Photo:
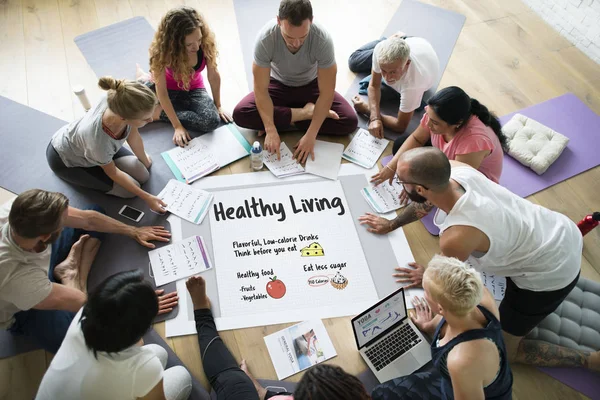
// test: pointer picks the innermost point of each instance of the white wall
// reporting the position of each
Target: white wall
(576, 20)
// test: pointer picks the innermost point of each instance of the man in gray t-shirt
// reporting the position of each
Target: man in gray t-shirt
(294, 82)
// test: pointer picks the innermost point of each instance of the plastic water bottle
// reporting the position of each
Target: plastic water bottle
(256, 157)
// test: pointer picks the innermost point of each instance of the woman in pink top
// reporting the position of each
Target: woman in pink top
(183, 46)
(464, 129)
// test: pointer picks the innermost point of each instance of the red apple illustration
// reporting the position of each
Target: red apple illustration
(276, 288)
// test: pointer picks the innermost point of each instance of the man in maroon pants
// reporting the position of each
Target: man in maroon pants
(294, 82)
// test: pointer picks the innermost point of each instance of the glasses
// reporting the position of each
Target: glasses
(399, 182)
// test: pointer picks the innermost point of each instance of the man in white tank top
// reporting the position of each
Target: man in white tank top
(486, 225)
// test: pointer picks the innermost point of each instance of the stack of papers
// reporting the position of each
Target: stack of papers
(179, 260)
(186, 202)
(286, 165)
(384, 197)
(299, 347)
(193, 161)
(365, 149)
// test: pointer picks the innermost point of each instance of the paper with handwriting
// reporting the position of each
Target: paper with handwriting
(185, 201)
(384, 197)
(365, 149)
(179, 260)
(286, 165)
(194, 161)
(495, 284)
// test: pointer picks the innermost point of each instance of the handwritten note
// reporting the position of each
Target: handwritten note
(194, 161)
(284, 167)
(384, 197)
(179, 260)
(495, 284)
(365, 149)
(186, 202)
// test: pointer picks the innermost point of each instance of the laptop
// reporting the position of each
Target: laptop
(388, 341)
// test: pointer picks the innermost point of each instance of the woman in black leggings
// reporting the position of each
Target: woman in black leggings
(230, 382)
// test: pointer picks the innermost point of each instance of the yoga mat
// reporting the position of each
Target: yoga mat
(108, 53)
(251, 16)
(580, 379)
(198, 391)
(25, 167)
(439, 26)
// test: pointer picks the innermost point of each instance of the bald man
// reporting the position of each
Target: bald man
(496, 231)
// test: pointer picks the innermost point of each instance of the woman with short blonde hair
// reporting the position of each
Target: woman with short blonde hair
(89, 152)
(468, 350)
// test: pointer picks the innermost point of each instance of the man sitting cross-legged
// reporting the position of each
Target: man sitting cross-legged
(46, 251)
(294, 82)
(496, 231)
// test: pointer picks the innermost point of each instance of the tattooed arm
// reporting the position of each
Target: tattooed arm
(411, 213)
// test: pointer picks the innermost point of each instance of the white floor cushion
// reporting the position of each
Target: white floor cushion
(533, 144)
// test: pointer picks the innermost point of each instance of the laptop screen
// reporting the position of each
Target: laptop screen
(371, 324)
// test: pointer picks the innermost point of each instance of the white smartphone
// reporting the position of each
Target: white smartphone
(131, 213)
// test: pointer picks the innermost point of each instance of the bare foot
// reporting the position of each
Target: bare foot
(309, 109)
(141, 75)
(360, 106)
(197, 288)
(594, 361)
(262, 392)
(67, 272)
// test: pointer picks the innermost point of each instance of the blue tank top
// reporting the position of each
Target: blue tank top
(501, 387)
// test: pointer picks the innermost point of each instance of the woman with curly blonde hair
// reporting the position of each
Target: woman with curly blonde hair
(183, 46)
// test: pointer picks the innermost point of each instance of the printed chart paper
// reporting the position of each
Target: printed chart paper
(384, 197)
(286, 166)
(365, 149)
(328, 158)
(179, 260)
(495, 284)
(299, 347)
(185, 201)
(286, 254)
(194, 161)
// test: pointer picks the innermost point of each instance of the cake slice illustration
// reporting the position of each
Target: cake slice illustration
(339, 281)
(312, 250)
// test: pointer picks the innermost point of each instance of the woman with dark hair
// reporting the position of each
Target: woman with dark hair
(102, 356)
(463, 128)
(232, 381)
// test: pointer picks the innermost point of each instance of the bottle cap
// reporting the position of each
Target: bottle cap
(256, 147)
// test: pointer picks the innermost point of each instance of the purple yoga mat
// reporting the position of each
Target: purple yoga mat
(565, 114)
(582, 380)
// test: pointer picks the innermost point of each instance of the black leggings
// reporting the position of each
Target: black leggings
(221, 369)
(419, 385)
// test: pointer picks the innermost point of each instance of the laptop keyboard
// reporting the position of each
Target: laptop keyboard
(393, 346)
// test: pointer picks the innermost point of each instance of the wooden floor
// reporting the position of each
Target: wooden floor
(506, 57)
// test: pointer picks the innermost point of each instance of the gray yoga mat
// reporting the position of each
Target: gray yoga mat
(108, 53)
(377, 248)
(251, 15)
(439, 26)
(25, 133)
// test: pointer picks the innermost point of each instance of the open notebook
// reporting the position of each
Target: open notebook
(207, 153)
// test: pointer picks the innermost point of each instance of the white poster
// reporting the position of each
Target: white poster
(287, 253)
